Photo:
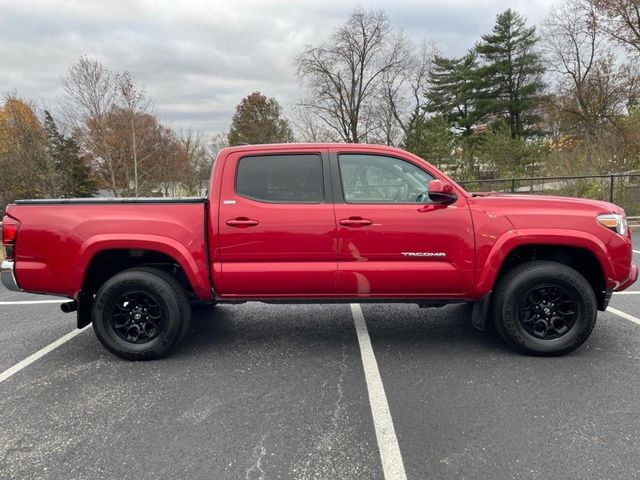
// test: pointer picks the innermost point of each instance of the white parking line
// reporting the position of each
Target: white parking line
(36, 302)
(624, 315)
(392, 464)
(39, 354)
(633, 292)
(637, 251)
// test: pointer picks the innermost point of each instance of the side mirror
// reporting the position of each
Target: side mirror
(441, 192)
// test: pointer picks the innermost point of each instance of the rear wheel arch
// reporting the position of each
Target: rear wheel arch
(106, 263)
(189, 258)
(109, 262)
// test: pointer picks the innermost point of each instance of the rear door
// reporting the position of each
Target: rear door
(277, 231)
(392, 242)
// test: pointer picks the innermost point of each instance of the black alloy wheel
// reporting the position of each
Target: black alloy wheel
(137, 316)
(141, 314)
(548, 311)
(542, 307)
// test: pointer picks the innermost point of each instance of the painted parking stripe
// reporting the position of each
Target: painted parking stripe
(624, 315)
(633, 292)
(637, 251)
(39, 354)
(36, 302)
(392, 464)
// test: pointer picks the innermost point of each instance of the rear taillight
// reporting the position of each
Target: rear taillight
(9, 233)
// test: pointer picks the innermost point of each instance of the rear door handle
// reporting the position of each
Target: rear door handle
(242, 222)
(355, 222)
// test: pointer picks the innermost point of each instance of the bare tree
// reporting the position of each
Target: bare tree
(135, 103)
(631, 79)
(219, 141)
(169, 162)
(593, 89)
(309, 128)
(196, 161)
(620, 19)
(403, 89)
(343, 74)
(573, 47)
(382, 123)
(91, 93)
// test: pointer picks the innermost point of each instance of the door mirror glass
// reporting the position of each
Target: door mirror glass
(441, 192)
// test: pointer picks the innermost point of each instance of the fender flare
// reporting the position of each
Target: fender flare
(168, 246)
(513, 239)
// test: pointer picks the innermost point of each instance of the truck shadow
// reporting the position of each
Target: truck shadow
(257, 325)
(446, 330)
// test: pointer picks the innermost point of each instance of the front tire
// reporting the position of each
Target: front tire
(141, 314)
(544, 308)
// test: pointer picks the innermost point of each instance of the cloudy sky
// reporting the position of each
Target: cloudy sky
(198, 58)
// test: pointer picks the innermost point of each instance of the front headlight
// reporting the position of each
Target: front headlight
(614, 222)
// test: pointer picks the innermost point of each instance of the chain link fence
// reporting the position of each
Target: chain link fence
(621, 189)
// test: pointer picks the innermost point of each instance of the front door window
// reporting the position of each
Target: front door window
(378, 179)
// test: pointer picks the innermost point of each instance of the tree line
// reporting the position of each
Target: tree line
(562, 97)
(108, 140)
(559, 98)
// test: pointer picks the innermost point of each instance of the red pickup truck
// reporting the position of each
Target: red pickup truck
(322, 223)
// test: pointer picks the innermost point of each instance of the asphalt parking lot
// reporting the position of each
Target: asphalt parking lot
(263, 391)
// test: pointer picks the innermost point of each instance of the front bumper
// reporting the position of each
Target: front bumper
(8, 277)
(633, 276)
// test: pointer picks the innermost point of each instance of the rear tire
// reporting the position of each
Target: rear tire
(544, 308)
(141, 314)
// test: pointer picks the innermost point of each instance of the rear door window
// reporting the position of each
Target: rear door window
(281, 178)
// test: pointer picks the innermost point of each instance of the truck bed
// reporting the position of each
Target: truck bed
(76, 231)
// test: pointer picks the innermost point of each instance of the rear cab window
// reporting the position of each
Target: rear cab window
(283, 178)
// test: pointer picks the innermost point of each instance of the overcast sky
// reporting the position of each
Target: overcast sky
(198, 58)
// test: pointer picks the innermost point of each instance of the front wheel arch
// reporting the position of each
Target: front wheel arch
(583, 260)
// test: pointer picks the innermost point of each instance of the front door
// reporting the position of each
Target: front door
(277, 227)
(392, 242)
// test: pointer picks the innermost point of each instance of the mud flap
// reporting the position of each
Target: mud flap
(85, 305)
(480, 312)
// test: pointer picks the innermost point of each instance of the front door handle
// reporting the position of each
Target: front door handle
(242, 222)
(355, 222)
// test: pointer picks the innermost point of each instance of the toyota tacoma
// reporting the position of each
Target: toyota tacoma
(319, 223)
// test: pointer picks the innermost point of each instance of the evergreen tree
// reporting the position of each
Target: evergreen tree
(54, 138)
(511, 157)
(452, 93)
(72, 168)
(80, 182)
(431, 139)
(509, 81)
